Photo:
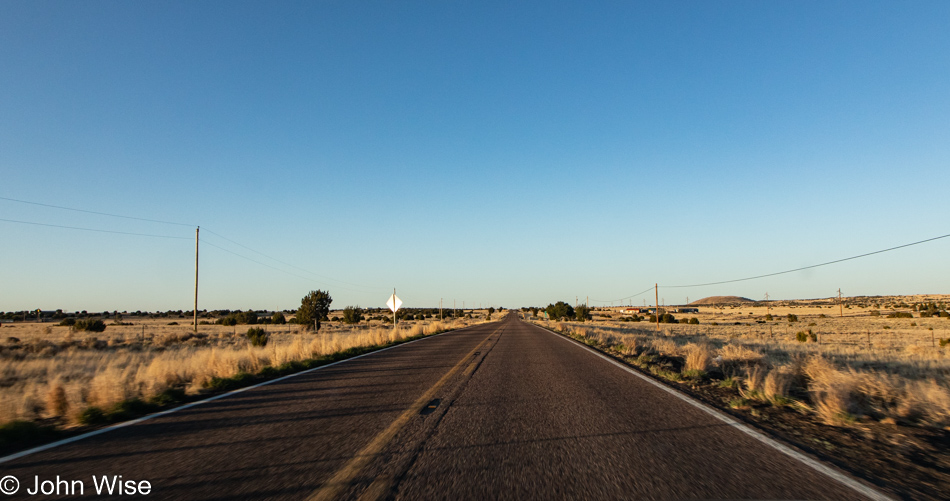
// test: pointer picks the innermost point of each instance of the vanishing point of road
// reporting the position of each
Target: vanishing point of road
(502, 410)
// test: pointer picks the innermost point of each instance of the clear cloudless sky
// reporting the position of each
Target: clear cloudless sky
(488, 152)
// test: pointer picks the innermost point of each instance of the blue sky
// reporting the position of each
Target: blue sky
(476, 151)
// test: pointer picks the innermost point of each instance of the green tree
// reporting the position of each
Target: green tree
(250, 317)
(582, 313)
(278, 318)
(352, 315)
(559, 310)
(314, 307)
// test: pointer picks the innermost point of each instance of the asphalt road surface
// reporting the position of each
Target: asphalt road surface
(504, 410)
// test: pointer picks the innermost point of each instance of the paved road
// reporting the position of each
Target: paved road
(504, 410)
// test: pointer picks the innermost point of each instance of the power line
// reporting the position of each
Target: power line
(309, 279)
(162, 236)
(94, 229)
(279, 261)
(782, 272)
(94, 212)
(809, 267)
(621, 299)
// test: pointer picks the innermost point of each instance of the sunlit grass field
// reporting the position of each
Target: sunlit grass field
(851, 367)
(54, 373)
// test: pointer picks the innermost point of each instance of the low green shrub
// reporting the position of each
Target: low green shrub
(694, 374)
(90, 325)
(230, 383)
(169, 397)
(729, 382)
(900, 314)
(257, 336)
(92, 416)
(128, 409)
(740, 403)
(804, 336)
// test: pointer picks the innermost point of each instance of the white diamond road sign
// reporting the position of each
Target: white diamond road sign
(394, 303)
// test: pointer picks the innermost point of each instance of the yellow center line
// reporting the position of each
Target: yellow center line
(342, 478)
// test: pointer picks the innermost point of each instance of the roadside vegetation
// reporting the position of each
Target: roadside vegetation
(845, 370)
(55, 376)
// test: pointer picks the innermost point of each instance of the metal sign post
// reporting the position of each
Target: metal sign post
(394, 303)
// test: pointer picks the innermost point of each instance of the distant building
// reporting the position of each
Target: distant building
(635, 310)
(687, 310)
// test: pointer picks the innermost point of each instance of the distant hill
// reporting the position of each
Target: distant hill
(721, 300)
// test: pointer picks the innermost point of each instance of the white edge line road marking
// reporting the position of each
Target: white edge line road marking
(814, 464)
(77, 438)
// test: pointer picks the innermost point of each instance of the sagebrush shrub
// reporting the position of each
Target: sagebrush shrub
(900, 314)
(90, 325)
(257, 336)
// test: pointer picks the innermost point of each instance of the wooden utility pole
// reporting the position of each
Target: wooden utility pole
(196, 277)
(656, 290)
(440, 309)
(394, 307)
(840, 307)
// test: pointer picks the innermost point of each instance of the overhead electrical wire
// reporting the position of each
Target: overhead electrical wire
(279, 261)
(623, 298)
(94, 212)
(781, 272)
(807, 267)
(94, 229)
(309, 279)
(323, 277)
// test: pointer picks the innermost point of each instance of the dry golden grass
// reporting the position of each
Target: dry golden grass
(55, 372)
(901, 374)
(698, 357)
